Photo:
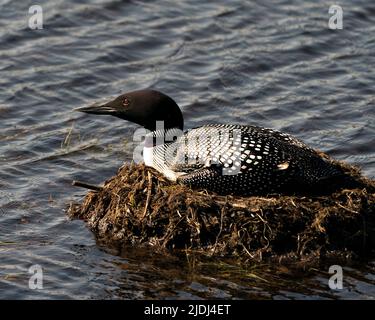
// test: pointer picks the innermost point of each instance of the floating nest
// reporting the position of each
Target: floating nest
(138, 206)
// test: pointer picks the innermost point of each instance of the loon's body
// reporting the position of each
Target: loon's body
(224, 158)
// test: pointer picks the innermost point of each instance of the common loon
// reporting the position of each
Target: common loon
(224, 158)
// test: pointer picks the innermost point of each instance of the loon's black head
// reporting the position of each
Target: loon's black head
(143, 107)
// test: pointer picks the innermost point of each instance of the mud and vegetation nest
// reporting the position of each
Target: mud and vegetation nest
(140, 207)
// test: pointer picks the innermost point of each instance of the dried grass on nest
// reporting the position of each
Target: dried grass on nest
(138, 206)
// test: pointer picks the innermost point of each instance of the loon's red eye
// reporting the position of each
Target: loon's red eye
(125, 102)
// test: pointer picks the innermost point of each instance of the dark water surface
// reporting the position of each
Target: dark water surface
(269, 63)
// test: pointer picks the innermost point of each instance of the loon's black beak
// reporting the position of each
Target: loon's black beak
(98, 109)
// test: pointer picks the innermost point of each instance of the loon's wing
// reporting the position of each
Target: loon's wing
(281, 136)
(231, 147)
(254, 161)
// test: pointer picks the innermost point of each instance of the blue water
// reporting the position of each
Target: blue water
(273, 64)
